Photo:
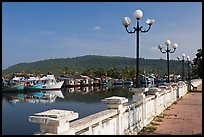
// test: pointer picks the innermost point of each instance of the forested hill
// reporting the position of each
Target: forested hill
(81, 63)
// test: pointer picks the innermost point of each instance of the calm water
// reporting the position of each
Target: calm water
(17, 107)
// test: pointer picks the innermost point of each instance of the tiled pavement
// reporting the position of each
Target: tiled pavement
(183, 117)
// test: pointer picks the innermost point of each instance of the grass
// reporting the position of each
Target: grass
(170, 115)
(160, 116)
(158, 120)
(154, 123)
(150, 128)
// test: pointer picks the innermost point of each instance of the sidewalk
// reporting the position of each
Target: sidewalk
(183, 117)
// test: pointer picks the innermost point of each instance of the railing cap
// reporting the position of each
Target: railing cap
(115, 100)
(163, 87)
(138, 90)
(53, 116)
(154, 89)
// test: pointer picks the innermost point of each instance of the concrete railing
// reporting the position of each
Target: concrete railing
(120, 118)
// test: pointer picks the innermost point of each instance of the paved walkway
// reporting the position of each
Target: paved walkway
(183, 117)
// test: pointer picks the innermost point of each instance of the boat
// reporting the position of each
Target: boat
(55, 86)
(33, 83)
(127, 83)
(50, 83)
(118, 83)
(16, 87)
(34, 87)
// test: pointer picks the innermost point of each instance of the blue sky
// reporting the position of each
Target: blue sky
(33, 31)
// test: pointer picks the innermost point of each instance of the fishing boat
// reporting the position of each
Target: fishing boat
(50, 83)
(33, 83)
(16, 87)
(34, 87)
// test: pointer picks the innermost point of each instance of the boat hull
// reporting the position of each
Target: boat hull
(34, 87)
(56, 86)
(13, 88)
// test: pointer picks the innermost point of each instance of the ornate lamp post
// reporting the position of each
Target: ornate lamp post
(167, 51)
(126, 22)
(189, 66)
(183, 63)
(189, 63)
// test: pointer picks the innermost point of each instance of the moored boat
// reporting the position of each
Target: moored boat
(33, 83)
(50, 83)
(55, 86)
(16, 87)
(34, 87)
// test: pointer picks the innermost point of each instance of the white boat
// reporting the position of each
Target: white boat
(50, 83)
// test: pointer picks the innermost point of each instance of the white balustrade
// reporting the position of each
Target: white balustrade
(120, 118)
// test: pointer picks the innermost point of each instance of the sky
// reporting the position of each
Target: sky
(34, 31)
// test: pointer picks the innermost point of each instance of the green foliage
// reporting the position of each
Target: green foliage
(127, 73)
(116, 67)
(197, 64)
(66, 71)
(149, 129)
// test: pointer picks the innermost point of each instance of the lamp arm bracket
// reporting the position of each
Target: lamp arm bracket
(145, 30)
(163, 51)
(173, 50)
(130, 31)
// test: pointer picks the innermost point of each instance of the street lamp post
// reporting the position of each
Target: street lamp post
(189, 65)
(126, 22)
(183, 63)
(188, 61)
(167, 51)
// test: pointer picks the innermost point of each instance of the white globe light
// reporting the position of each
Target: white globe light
(188, 58)
(138, 14)
(160, 47)
(183, 55)
(126, 21)
(150, 21)
(175, 45)
(167, 42)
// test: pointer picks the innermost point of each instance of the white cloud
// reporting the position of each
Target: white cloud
(97, 28)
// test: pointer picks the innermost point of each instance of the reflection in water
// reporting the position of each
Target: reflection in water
(44, 96)
(94, 94)
(86, 89)
(57, 93)
(78, 94)
(83, 100)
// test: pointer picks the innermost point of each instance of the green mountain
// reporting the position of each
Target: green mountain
(83, 62)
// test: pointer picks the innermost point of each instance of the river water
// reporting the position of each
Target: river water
(18, 106)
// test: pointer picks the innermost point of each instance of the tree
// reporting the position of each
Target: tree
(36, 72)
(113, 72)
(89, 71)
(197, 64)
(66, 71)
